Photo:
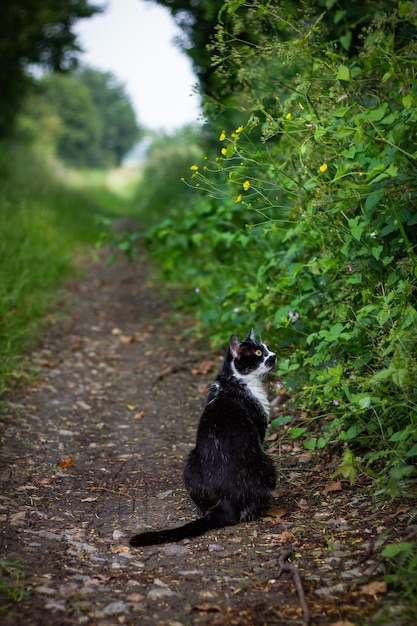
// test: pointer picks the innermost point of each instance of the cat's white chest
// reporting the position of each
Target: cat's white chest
(257, 389)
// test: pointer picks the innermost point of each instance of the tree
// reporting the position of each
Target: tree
(79, 133)
(34, 34)
(115, 113)
(97, 122)
(249, 23)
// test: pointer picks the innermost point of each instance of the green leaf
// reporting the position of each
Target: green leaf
(407, 101)
(394, 549)
(376, 251)
(343, 73)
(310, 444)
(375, 115)
(346, 40)
(350, 154)
(297, 432)
(373, 199)
(356, 227)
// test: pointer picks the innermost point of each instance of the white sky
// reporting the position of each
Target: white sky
(134, 39)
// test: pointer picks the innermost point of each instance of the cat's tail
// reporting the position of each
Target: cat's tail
(221, 515)
(172, 535)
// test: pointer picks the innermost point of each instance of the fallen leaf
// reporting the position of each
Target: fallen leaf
(116, 331)
(276, 513)
(403, 509)
(67, 463)
(342, 622)
(17, 517)
(127, 338)
(205, 367)
(89, 499)
(205, 607)
(139, 416)
(286, 536)
(375, 587)
(131, 407)
(334, 486)
(134, 597)
(273, 437)
(83, 405)
(120, 549)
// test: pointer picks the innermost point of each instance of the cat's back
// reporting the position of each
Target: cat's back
(231, 406)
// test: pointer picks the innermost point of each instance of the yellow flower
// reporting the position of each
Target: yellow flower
(288, 116)
(246, 185)
(224, 151)
(222, 136)
(239, 198)
(323, 168)
(194, 168)
(239, 130)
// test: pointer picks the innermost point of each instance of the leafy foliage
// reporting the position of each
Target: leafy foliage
(309, 228)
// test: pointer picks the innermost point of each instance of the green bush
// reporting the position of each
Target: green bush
(161, 192)
(307, 229)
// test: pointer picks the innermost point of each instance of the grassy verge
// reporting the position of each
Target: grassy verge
(44, 224)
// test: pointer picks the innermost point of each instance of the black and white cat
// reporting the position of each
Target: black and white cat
(228, 475)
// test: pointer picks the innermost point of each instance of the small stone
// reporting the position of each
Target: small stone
(115, 608)
(55, 605)
(164, 494)
(47, 591)
(174, 549)
(118, 534)
(215, 547)
(334, 590)
(160, 592)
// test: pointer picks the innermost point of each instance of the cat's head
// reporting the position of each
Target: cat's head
(251, 356)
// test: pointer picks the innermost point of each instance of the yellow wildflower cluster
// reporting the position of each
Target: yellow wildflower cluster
(246, 185)
(323, 168)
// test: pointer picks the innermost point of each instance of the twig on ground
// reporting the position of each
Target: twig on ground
(174, 369)
(119, 492)
(284, 566)
(368, 553)
(171, 370)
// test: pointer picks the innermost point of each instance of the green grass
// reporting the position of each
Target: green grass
(44, 224)
(13, 586)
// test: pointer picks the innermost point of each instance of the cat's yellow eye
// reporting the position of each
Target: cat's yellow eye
(258, 352)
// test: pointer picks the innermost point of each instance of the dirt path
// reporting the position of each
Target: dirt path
(94, 451)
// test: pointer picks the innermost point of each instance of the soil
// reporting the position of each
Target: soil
(93, 451)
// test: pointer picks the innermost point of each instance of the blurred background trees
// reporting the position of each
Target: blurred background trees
(34, 35)
(84, 117)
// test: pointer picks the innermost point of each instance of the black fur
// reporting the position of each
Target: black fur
(228, 475)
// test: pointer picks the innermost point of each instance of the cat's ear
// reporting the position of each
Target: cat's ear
(250, 336)
(234, 346)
